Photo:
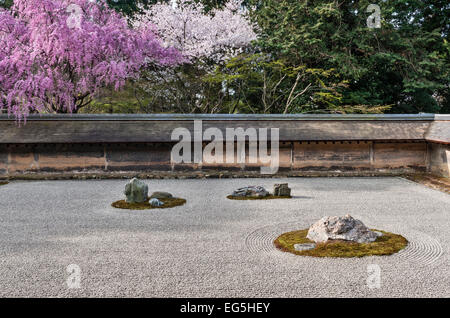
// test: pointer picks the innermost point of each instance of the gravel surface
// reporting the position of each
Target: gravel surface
(215, 247)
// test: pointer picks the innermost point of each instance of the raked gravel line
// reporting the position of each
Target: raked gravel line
(212, 246)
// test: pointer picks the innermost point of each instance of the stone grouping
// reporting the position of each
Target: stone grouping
(136, 191)
(260, 192)
(328, 228)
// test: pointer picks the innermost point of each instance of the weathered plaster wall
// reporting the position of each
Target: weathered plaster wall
(110, 146)
(398, 157)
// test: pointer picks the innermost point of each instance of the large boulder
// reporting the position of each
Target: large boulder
(251, 191)
(136, 191)
(340, 228)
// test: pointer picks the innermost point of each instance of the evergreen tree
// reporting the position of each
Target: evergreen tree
(6, 3)
(404, 63)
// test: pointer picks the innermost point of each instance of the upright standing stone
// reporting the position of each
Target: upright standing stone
(136, 191)
(282, 190)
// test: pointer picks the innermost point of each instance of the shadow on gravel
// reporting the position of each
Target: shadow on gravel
(301, 197)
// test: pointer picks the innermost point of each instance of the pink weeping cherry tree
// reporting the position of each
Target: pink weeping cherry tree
(55, 55)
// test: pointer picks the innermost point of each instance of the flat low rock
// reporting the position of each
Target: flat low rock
(161, 195)
(304, 247)
(340, 228)
(378, 233)
(251, 191)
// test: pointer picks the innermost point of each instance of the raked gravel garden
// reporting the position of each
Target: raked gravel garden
(212, 246)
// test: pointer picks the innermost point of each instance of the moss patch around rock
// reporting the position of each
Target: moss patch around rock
(387, 244)
(269, 197)
(168, 203)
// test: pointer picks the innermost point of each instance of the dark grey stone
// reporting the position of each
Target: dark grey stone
(251, 191)
(282, 189)
(161, 195)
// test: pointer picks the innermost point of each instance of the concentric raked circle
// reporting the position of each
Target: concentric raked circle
(261, 239)
(422, 249)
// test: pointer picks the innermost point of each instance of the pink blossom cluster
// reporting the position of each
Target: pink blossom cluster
(48, 63)
(217, 35)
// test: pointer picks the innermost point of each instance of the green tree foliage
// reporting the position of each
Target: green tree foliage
(130, 7)
(311, 56)
(404, 63)
(256, 83)
(6, 3)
